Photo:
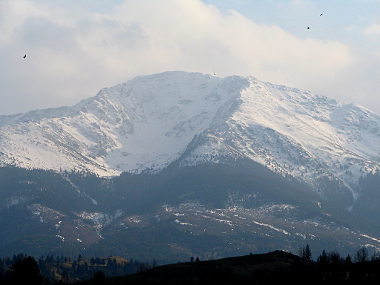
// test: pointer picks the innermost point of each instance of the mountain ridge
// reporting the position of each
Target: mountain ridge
(152, 121)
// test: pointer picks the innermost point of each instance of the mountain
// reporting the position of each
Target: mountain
(190, 163)
(195, 119)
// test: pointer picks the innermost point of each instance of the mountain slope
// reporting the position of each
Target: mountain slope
(188, 119)
(113, 131)
(210, 211)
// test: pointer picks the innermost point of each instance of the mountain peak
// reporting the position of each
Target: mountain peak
(152, 121)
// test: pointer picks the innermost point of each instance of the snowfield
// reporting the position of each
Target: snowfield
(152, 121)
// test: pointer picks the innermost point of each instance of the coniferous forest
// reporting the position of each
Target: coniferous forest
(270, 268)
(23, 269)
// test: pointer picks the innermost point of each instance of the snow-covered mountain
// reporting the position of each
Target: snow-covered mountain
(152, 121)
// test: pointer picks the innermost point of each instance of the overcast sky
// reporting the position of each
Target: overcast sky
(76, 47)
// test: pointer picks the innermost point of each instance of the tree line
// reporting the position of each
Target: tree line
(326, 268)
(334, 257)
(23, 269)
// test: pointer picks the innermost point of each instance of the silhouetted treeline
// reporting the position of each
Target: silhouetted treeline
(277, 267)
(271, 268)
(362, 268)
(22, 269)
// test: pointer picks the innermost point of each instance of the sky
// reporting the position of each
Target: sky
(76, 47)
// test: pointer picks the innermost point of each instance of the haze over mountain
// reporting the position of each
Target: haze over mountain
(215, 159)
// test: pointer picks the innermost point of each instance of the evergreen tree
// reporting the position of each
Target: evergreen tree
(348, 260)
(361, 255)
(334, 258)
(306, 254)
(26, 271)
(323, 258)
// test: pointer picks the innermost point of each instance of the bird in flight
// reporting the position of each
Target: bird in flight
(308, 28)
(321, 14)
(24, 56)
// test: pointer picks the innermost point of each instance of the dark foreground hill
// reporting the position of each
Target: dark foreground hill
(277, 267)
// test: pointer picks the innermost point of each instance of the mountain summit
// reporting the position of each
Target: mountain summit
(208, 166)
(187, 119)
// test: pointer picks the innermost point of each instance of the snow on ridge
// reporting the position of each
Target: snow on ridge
(151, 121)
(142, 124)
(297, 133)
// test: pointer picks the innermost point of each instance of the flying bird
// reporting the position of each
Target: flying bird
(308, 28)
(321, 14)
(24, 56)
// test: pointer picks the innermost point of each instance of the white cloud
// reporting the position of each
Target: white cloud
(373, 30)
(73, 51)
(302, 3)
